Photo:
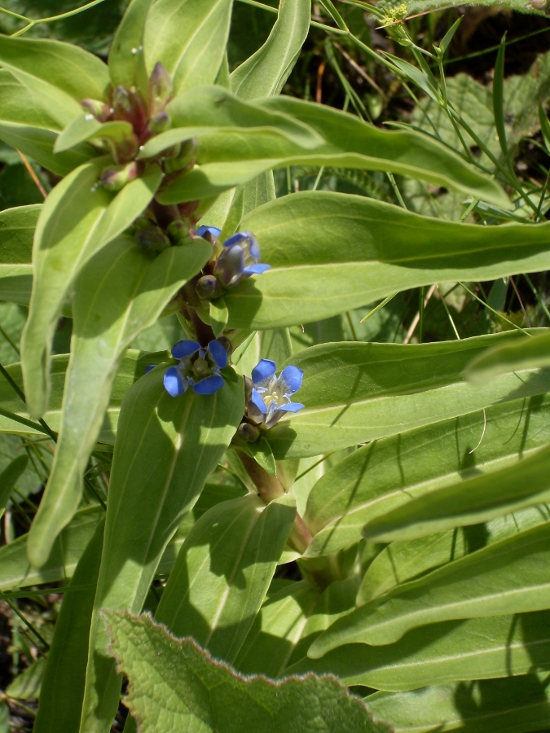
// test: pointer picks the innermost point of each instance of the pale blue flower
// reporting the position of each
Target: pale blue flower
(239, 257)
(198, 368)
(270, 395)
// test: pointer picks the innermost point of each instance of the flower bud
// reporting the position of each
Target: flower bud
(178, 231)
(185, 158)
(208, 287)
(160, 122)
(248, 433)
(115, 177)
(96, 108)
(152, 240)
(160, 89)
(129, 106)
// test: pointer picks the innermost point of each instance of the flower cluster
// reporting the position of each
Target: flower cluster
(238, 258)
(198, 368)
(269, 396)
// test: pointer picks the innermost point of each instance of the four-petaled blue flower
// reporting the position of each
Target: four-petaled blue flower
(239, 258)
(199, 368)
(270, 396)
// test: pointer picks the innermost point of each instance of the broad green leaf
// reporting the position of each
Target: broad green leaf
(65, 675)
(16, 232)
(507, 577)
(60, 75)
(83, 129)
(118, 293)
(390, 473)
(16, 571)
(526, 354)
(350, 143)
(473, 501)
(363, 250)
(130, 370)
(126, 63)
(479, 648)
(188, 38)
(278, 630)
(223, 572)
(266, 71)
(77, 219)
(400, 562)
(175, 685)
(166, 447)
(515, 705)
(9, 477)
(26, 686)
(375, 390)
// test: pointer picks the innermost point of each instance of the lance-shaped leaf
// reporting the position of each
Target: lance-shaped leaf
(474, 501)
(372, 390)
(165, 449)
(526, 354)
(479, 648)
(126, 62)
(9, 477)
(223, 572)
(16, 571)
(349, 143)
(188, 38)
(119, 292)
(400, 562)
(266, 71)
(197, 692)
(16, 233)
(77, 219)
(515, 705)
(13, 412)
(83, 129)
(59, 75)
(62, 689)
(389, 473)
(363, 250)
(510, 576)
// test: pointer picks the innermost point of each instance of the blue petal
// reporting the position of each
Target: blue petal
(263, 371)
(291, 377)
(256, 269)
(209, 385)
(218, 353)
(201, 231)
(185, 348)
(291, 407)
(257, 400)
(254, 246)
(173, 382)
(235, 239)
(149, 368)
(230, 265)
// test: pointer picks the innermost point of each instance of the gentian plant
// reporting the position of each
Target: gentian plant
(247, 561)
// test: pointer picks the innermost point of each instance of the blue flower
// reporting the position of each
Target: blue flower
(270, 396)
(201, 231)
(239, 256)
(199, 368)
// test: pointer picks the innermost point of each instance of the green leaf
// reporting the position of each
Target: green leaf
(525, 354)
(16, 232)
(266, 71)
(363, 250)
(77, 219)
(198, 691)
(26, 686)
(498, 97)
(350, 143)
(218, 316)
(404, 561)
(65, 674)
(375, 390)
(126, 61)
(479, 648)
(166, 447)
(15, 571)
(261, 451)
(188, 38)
(61, 75)
(118, 293)
(389, 473)
(507, 577)
(9, 477)
(223, 571)
(474, 501)
(83, 129)
(515, 705)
